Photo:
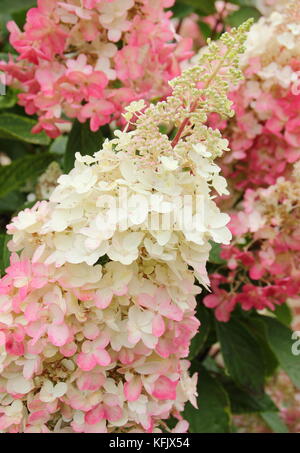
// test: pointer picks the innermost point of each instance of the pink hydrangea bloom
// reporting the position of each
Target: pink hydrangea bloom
(265, 134)
(263, 260)
(80, 368)
(70, 65)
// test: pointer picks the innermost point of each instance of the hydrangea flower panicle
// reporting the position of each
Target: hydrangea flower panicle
(97, 311)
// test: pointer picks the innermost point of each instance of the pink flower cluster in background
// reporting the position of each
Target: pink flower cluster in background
(265, 137)
(265, 133)
(262, 262)
(264, 258)
(89, 59)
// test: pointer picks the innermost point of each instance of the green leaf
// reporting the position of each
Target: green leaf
(15, 149)
(82, 140)
(214, 254)
(242, 355)
(181, 10)
(199, 340)
(205, 29)
(284, 314)
(59, 145)
(244, 403)
(4, 18)
(211, 365)
(16, 174)
(274, 421)
(236, 18)
(280, 340)
(244, 2)
(9, 99)
(4, 253)
(10, 6)
(16, 127)
(4, 56)
(213, 413)
(258, 329)
(12, 202)
(20, 17)
(202, 7)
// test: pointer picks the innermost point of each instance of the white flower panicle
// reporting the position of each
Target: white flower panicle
(79, 226)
